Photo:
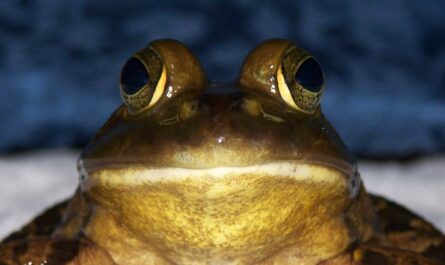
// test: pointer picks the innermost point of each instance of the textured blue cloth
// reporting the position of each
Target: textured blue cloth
(384, 62)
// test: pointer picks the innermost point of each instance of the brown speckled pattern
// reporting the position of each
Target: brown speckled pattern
(369, 254)
(406, 230)
(45, 251)
(42, 225)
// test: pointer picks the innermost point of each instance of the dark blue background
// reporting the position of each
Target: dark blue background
(384, 62)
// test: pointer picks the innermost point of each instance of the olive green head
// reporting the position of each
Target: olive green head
(173, 117)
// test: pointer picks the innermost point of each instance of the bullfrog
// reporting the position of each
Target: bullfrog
(187, 171)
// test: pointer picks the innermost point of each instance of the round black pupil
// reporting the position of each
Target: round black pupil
(134, 76)
(309, 75)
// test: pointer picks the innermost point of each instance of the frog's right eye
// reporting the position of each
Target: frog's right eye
(142, 80)
(159, 73)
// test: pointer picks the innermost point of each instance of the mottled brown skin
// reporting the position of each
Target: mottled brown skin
(248, 173)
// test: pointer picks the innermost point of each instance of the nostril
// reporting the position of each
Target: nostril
(309, 75)
(134, 76)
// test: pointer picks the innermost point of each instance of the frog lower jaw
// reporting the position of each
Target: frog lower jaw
(224, 216)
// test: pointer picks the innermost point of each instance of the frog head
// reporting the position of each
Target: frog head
(223, 172)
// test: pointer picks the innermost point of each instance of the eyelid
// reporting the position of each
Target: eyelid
(259, 71)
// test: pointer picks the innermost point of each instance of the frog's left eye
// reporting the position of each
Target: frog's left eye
(300, 80)
(284, 72)
(142, 80)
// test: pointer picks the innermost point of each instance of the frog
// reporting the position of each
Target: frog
(189, 171)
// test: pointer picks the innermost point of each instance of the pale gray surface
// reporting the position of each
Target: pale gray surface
(31, 182)
(419, 185)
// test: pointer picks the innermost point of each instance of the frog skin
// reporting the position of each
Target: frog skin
(190, 172)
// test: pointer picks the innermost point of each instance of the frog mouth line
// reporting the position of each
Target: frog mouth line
(86, 166)
(136, 175)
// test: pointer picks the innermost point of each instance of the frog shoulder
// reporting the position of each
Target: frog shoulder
(374, 254)
(63, 220)
(404, 229)
(43, 251)
(406, 238)
(42, 225)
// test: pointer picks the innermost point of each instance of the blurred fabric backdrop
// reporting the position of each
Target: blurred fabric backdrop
(384, 62)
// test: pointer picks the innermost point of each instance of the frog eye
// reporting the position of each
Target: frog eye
(284, 72)
(142, 80)
(300, 80)
(159, 73)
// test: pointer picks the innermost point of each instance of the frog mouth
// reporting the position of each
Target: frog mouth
(134, 175)
(95, 164)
